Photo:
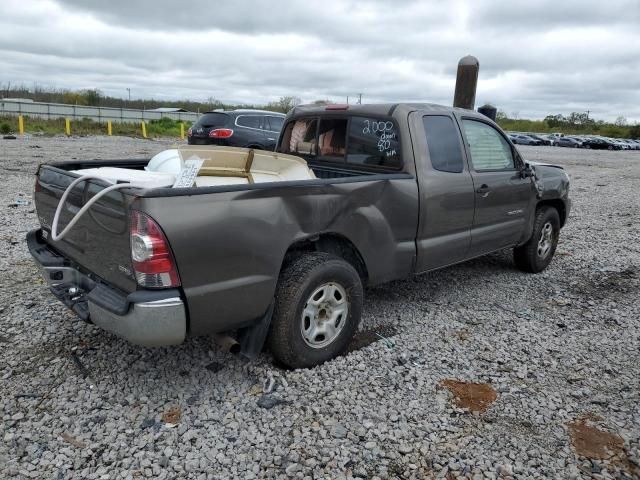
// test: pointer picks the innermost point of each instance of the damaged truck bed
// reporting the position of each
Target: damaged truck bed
(399, 189)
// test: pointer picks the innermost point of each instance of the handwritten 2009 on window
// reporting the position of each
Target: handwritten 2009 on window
(384, 130)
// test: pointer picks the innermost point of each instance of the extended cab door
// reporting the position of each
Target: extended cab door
(502, 195)
(446, 191)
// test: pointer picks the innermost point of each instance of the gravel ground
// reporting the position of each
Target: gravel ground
(552, 359)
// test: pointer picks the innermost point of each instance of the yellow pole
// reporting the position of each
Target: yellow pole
(67, 126)
(144, 130)
(109, 131)
(181, 131)
(21, 124)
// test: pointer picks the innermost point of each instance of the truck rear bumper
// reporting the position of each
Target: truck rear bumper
(147, 317)
(152, 324)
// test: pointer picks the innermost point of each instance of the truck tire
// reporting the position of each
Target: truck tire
(317, 309)
(535, 255)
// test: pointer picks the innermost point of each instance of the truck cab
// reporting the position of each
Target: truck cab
(475, 193)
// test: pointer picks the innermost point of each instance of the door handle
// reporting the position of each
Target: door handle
(484, 188)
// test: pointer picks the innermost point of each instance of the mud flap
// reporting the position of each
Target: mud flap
(252, 338)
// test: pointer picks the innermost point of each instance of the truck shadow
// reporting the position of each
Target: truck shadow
(382, 318)
(111, 360)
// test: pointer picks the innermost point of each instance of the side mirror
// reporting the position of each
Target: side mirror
(526, 172)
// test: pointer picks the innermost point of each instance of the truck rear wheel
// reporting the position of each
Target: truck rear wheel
(535, 255)
(317, 309)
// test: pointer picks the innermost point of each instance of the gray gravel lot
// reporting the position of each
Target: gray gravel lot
(561, 350)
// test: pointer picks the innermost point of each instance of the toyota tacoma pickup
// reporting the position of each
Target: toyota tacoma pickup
(399, 190)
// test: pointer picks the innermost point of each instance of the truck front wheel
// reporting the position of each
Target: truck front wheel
(535, 255)
(317, 309)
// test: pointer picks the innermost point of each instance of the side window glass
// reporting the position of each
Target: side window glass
(443, 143)
(275, 123)
(374, 142)
(251, 121)
(489, 150)
(332, 137)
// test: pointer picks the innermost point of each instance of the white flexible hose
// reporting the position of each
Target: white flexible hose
(54, 225)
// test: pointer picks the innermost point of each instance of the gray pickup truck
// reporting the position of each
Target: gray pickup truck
(400, 189)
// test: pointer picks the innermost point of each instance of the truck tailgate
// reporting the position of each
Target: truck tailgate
(100, 241)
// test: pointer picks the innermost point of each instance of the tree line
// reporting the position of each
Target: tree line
(574, 123)
(96, 98)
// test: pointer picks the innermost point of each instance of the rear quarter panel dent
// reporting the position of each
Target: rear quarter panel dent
(229, 246)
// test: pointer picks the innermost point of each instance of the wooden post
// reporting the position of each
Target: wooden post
(181, 131)
(144, 129)
(466, 82)
(67, 126)
(20, 124)
(109, 130)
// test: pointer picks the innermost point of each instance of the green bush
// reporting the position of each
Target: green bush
(164, 122)
(5, 128)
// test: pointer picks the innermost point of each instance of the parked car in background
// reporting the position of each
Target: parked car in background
(542, 138)
(520, 139)
(257, 129)
(580, 139)
(632, 144)
(551, 139)
(599, 143)
(568, 142)
(620, 143)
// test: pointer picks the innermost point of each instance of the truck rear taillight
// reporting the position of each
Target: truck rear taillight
(151, 256)
(220, 133)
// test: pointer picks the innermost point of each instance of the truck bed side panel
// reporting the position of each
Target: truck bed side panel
(229, 246)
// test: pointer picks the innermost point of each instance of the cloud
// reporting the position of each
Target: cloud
(535, 58)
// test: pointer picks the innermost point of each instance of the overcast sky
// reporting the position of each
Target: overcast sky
(536, 57)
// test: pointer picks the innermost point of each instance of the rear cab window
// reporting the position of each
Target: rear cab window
(299, 137)
(352, 140)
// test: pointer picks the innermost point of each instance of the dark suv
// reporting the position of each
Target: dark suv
(237, 128)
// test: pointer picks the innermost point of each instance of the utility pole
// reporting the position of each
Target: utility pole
(359, 98)
(129, 90)
(588, 112)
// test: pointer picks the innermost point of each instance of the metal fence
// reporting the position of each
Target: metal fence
(99, 114)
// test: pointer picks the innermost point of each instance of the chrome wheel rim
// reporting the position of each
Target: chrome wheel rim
(546, 240)
(324, 315)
